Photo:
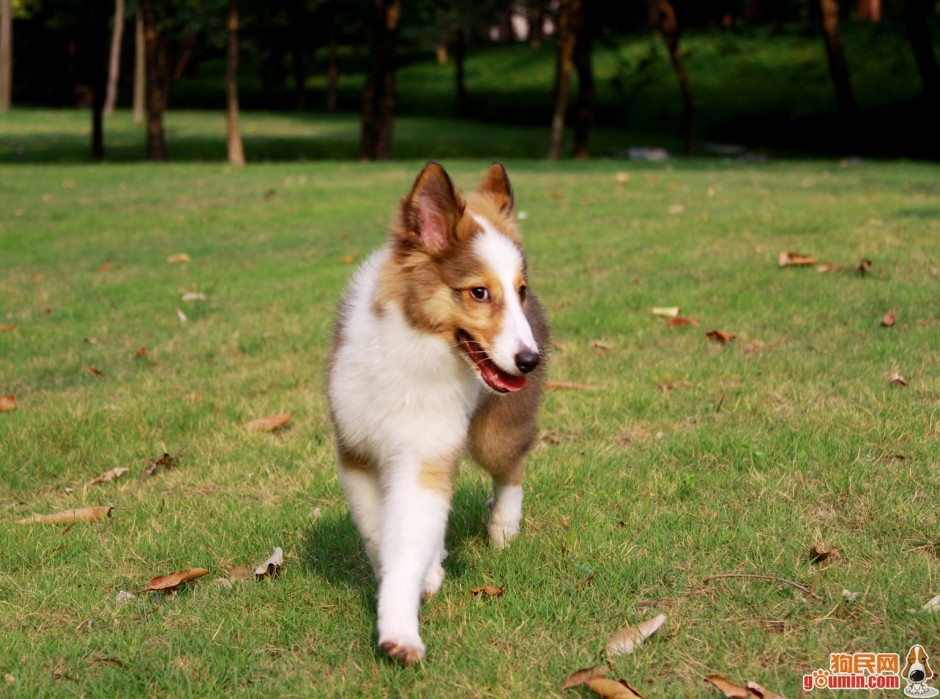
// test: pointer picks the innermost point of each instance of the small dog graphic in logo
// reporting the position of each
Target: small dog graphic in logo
(918, 673)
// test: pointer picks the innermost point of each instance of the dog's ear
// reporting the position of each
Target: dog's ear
(907, 668)
(927, 668)
(429, 214)
(497, 185)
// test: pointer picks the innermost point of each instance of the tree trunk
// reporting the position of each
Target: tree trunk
(669, 27)
(186, 55)
(565, 40)
(236, 153)
(536, 18)
(155, 46)
(140, 72)
(838, 68)
(378, 97)
(586, 93)
(916, 16)
(6, 55)
(114, 61)
(332, 76)
(460, 77)
(869, 10)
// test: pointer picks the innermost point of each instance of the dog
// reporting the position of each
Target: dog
(439, 346)
(917, 672)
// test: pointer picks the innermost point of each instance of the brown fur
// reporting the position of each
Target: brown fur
(438, 474)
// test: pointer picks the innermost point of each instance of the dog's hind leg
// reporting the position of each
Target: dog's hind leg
(364, 494)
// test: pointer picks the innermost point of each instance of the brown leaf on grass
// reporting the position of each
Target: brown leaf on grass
(7, 403)
(272, 566)
(630, 637)
(555, 194)
(179, 258)
(488, 591)
(730, 689)
(795, 259)
(141, 353)
(105, 267)
(347, 259)
(86, 514)
(584, 675)
(762, 692)
(164, 461)
(269, 423)
(822, 553)
(8, 328)
(827, 267)
(107, 661)
(107, 477)
(568, 386)
(864, 266)
(720, 336)
(601, 345)
(173, 580)
(612, 689)
(681, 322)
(94, 372)
(897, 379)
(888, 320)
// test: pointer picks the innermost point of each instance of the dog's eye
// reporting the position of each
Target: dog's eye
(522, 292)
(479, 293)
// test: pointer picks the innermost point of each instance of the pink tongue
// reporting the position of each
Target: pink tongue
(500, 380)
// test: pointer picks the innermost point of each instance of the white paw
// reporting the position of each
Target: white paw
(406, 648)
(502, 533)
(433, 580)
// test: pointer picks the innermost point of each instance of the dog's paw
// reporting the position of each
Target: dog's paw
(407, 652)
(502, 533)
(433, 580)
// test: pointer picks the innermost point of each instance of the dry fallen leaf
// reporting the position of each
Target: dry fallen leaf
(568, 385)
(897, 379)
(488, 591)
(181, 315)
(107, 661)
(850, 596)
(761, 691)
(821, 553)
(666, 311)
(106, 267)
(676, 209)
(240, 573)
(168, 582)
(9, 327)
(347, 259)
(730, 689)
(193, 296)
(141, 353)
(613, 689)
(795, 259)
(269, 423)
(583, 675)
(887, 320)
(94, 372)
(864, 265)
(827, 267)
(86, 514)
(601, 345)
(720, 336)
(165, 460)
(179, 258)
(681, 322)
(933, 604)
(109, 476)
(630, 637)
(272, 566)
(7, 403)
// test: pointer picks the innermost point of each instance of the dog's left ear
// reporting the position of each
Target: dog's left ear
(429, 214)
(497, 186)
(927, 668)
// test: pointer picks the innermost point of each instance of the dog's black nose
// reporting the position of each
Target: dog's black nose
(917, 676)
(527, 360)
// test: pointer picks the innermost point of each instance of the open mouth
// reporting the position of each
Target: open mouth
(492, 375)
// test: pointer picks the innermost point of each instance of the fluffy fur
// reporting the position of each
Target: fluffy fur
(439, 346)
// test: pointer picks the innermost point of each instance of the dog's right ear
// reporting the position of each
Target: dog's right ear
(429, 214)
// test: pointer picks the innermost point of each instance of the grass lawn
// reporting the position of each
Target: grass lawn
(685, 459)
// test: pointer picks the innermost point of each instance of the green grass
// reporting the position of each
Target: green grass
(787, 437)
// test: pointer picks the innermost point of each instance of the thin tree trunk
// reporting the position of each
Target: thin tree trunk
(6, 55)
(565, 39)
(536, 18)
(156, 82)
(332, 76)
(378, 97)
(869, 10)
(838, 68)
(186, 55)
(916, 15)
(114, 61)
(460, 76)
(236, 152)
(669, 27)
(140, 70)
(586, 92)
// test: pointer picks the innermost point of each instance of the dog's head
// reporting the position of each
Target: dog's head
(917, 668)
(458, 270)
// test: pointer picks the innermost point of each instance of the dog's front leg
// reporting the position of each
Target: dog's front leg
(415, 506)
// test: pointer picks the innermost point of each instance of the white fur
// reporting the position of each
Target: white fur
(505, 260)
(505, 513)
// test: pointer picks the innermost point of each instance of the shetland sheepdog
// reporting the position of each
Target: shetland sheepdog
(439, 346)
